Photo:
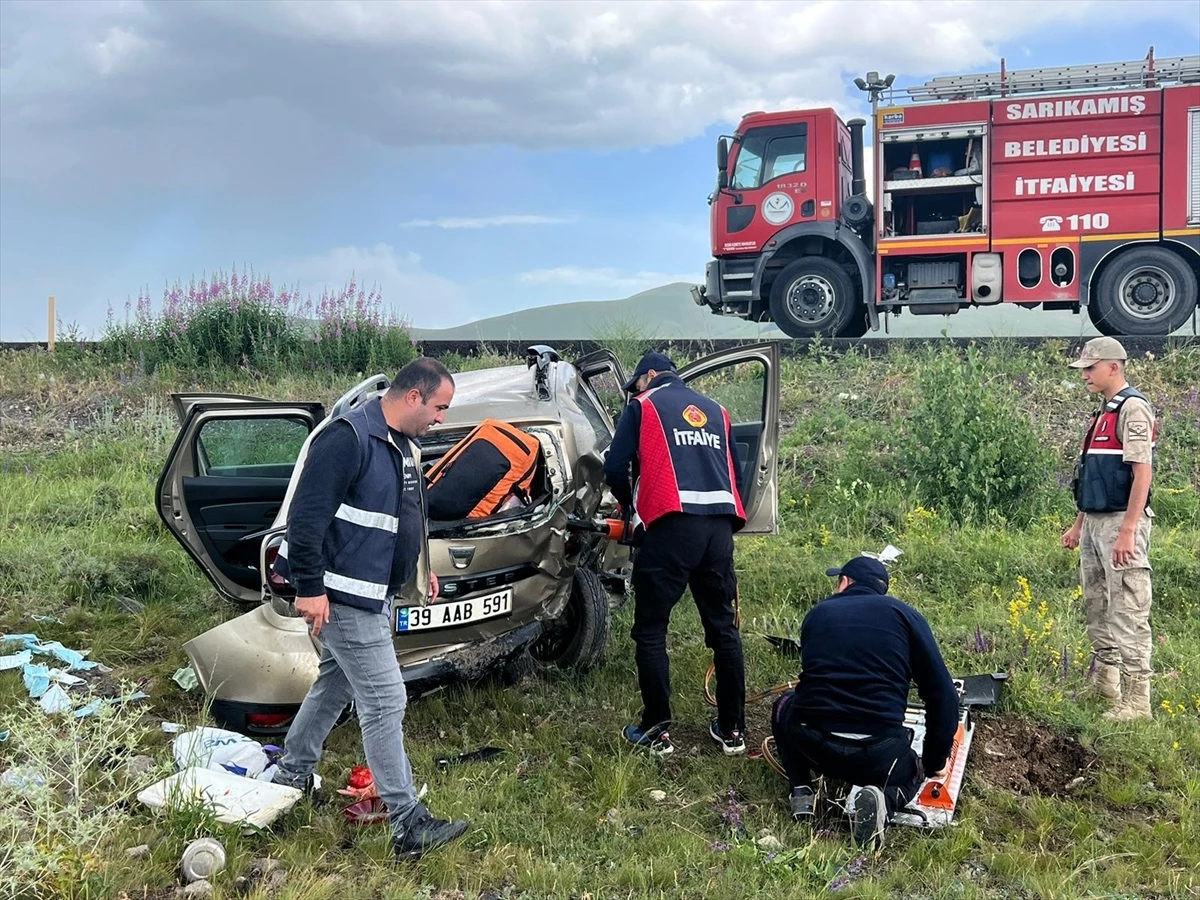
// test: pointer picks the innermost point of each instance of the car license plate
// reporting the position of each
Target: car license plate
(454, 613)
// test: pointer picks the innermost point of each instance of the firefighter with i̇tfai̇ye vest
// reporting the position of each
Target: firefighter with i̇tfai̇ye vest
(1112, 530)
(686, 504)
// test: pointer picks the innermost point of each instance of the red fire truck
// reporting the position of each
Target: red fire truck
(1069, 188)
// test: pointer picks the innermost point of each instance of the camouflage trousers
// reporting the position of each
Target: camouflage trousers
(1116, 599)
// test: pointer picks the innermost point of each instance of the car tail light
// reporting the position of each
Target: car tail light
(276, 582)
(268, 720)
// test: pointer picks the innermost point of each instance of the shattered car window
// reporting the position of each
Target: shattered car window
(610, 396)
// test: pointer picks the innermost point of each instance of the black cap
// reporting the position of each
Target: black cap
(659, 362)
(864, 570)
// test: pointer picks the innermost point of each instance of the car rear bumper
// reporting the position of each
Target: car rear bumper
(260, 717)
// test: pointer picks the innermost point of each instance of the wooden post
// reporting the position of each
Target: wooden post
(50, 325)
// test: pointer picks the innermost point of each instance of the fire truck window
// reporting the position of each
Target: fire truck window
(763, 158)
(747, 173)
(786, 155)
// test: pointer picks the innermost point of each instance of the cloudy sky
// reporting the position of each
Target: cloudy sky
(469, 158)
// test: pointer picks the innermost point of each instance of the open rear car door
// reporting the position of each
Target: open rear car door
(225, 479)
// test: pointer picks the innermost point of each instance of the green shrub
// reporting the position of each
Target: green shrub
(970, 449)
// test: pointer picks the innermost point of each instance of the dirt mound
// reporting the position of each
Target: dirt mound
(1027, 757)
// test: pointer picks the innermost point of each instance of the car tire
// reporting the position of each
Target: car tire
(1144, 291)
(579, 638)
(815, 296)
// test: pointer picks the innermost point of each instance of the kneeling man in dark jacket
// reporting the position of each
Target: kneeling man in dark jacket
(859, 651)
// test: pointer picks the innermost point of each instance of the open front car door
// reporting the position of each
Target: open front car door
(745, 381)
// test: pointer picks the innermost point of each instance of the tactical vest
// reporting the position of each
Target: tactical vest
(360, 544)
(685, 462)
(1103, 479)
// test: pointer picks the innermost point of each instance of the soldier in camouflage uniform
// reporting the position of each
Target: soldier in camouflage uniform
(1112, 530)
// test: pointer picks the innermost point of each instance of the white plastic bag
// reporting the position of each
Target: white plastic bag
(215, 748)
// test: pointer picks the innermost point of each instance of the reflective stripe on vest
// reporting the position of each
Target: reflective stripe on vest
(360, 545)
(369, 590)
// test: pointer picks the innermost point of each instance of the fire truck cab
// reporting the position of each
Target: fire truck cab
(1069, 188)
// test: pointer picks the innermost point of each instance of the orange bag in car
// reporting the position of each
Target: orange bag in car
(479, 472)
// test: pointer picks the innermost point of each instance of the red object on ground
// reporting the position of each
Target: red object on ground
(366, 812)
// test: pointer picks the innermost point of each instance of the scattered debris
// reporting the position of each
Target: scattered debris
(138, 852)
(16, 660)
(216, 748)
(47, 620)
(202, 859)
(185, 678)
(788, 646)
(372, 811)
(138, 766)
(73, 658)
(48, 685)
(94, 705)
(483, 754)
(55, 701)
(25, 779)
(658, 796)
(361, 785)
(38, 679)
(3, 736)
(232, 799)
(171, 728)
(263, 873)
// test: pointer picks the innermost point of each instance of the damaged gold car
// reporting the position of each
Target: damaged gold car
(532, 585)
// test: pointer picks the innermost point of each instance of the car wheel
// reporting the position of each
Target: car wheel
(814, 296)
(1144, 291)
(580, 636)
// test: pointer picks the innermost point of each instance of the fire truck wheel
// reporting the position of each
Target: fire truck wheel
(815, 296)
(1145, 290)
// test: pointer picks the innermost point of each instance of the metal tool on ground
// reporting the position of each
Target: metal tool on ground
(483, 754)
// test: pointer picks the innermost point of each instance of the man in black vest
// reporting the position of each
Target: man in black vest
(1112, 530)
(687, 505)
(860, 649)
(356, 535)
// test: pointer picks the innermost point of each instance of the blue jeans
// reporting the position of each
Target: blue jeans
(358, 661)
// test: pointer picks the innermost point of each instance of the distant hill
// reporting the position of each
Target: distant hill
(668, 312)
(662, 312)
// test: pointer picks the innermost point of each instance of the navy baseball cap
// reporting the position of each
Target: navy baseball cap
(863, 570)
(659, 362)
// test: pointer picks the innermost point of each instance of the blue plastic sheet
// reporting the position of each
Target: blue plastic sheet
(37, 680)
(94, 705)
(73, 658)
(16, 660)
(55, 701)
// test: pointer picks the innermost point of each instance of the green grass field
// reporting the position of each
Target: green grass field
(568, 811)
